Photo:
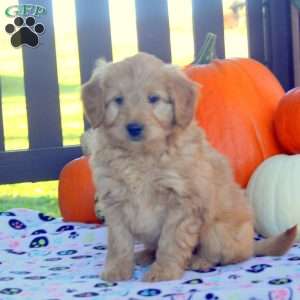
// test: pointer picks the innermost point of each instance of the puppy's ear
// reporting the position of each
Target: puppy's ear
(92, 96)
(183, 93)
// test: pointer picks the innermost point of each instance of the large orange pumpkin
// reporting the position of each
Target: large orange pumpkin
(76, 192)
(236, 108)
(287, 121)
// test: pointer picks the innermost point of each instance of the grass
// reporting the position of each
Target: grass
(16, 133)
(43, 195)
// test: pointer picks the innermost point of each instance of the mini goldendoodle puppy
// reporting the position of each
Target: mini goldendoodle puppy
(158, 180)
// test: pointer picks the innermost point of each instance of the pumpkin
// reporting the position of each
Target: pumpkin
(274, 193)
(236, 109)
(287, 121)
(76, 192)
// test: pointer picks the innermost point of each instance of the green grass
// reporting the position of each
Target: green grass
(16, 133)
(41, 196)
(14, 87)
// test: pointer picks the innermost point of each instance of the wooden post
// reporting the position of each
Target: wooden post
(296, 42)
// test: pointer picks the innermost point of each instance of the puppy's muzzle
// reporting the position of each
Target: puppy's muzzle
(135, 131)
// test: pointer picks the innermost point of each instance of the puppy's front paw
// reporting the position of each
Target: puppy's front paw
(199, 263)
(145, 257)
(117, 273)
(161, 273)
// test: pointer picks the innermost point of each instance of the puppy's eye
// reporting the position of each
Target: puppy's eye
(119, 100)
(153, 98)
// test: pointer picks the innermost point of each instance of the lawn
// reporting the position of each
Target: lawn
(43, 195)
(40, 195)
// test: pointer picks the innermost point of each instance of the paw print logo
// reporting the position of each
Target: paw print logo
(39, 231)
(86, 295)
(7, 214)
(104, 284)
(71, 290)
(35, 277)
(211, 296)
(280, 281)
(11, 251)
(65, 228)
(258, 268)
(10, 291)
(294, 258)
(194, 281)
(149, 292)
(39, 242)
(24, 32)
(73, 235)
(16, 224)
(45, 218)
(99, 247)
(210, 270)
(67, 252)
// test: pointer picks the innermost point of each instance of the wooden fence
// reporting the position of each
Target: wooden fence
(270, 42)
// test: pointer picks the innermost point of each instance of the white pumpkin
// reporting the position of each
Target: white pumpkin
(274, 193)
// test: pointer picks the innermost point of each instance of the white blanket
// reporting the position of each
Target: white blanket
(42, 258)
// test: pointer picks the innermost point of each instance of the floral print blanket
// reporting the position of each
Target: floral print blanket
(43, 258)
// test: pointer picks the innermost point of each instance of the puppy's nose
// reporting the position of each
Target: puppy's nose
(135, 130)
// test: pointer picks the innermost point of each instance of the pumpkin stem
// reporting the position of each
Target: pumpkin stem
(208, 50)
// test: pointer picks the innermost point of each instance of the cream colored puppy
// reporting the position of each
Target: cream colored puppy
(158, 179)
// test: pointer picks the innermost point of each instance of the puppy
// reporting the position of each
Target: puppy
(158, 179)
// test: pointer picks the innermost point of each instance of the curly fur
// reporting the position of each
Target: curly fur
(171, 191)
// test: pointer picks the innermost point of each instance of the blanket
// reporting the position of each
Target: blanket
(44, 258)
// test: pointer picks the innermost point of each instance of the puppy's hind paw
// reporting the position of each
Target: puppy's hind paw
(116, 274)
(199, 263)
(158, 273)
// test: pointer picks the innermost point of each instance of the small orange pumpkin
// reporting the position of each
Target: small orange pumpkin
(76, 192)
(287, 121)
(236, 108)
